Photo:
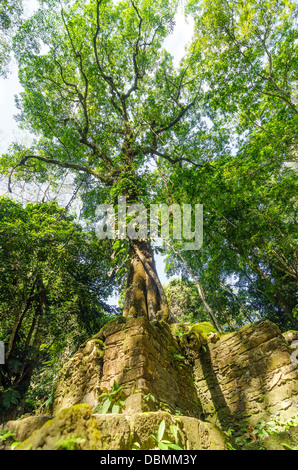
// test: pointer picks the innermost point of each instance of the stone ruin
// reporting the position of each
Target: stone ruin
(197, 381)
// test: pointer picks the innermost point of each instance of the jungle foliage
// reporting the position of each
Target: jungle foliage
(106, 104)
(54, 284)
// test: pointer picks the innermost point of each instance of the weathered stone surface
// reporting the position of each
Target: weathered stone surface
(199, 435)
(76, 428)
(247, 375)
(290, 336)
(23, 428)
(193, 434)
(142, 357)
(115, 430)
(79, 379)
(73, 428)
(232, 381)
(287, 440)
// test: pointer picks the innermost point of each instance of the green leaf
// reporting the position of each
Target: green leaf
(116, 386)
(117, 244)
(174, 446)
(136, 446)
(287, 446)
(116, 408)
(14, 445)
(48, 401)
(161, 430)
(163, 446)
(174, 430)
(106, 405)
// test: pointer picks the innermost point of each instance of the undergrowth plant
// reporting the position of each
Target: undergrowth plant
(8, 437)
(70, 443)
(110, 402)
(260, 431)
(162, 443)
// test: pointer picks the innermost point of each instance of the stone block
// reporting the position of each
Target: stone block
(247, 375)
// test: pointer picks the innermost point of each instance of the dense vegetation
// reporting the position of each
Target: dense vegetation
(106, 104)
(54, 283)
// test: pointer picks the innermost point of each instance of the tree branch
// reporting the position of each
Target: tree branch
(53, 161)
(177, 118)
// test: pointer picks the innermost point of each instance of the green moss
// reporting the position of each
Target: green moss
(178, 329)
(70, 443)
(74, 425)
(204, 328)
(198, 335)
(99, 342)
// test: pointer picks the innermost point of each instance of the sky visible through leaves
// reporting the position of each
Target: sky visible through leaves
(9, 87)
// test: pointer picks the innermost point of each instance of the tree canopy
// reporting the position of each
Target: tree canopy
(10, 17)
(104, 101)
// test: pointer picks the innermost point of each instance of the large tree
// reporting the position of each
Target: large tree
(105, 98)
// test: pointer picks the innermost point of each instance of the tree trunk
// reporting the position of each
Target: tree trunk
(144, 294)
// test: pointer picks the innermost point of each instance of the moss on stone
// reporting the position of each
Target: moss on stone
(198, 335)
(290, 336)
(110, 327)
(204, 328)
(79, 378)
(26, 426)
(75, 423)
(286, 440)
